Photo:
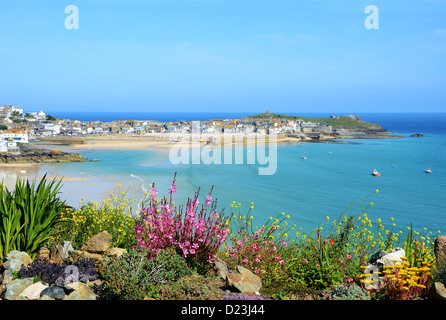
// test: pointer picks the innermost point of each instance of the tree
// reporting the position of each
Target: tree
(3, 127)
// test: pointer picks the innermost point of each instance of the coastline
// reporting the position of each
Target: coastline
(164, 141)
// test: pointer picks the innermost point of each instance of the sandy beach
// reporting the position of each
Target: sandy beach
(160, 141)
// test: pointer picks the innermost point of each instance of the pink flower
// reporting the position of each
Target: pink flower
(256, 271)
(306, 261)
(349, 256)
(245, 260)
(208, 200)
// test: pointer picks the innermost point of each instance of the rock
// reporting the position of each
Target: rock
(391, 258)
(440, 250)
(14, 288)
(376, 265)
(63, 249)
(416, 135)
(72, 286)
(244, 280)
(115, 252)
(222, 267)
(44, 254)
(75, 255)
(55, 292)
(377, 255)
(83, 292)
(15, 259)
(437, 291)
(8, 276)
(96, 283)
(33, 291)
(99, 243)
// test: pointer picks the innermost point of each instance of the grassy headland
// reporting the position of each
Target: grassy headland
(337, 122)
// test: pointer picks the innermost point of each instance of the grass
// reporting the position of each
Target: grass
(343, 122)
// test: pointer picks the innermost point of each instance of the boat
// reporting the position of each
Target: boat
(428, 170)
(304, 157)
(376, 173)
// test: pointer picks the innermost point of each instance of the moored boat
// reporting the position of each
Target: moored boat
(376, 173)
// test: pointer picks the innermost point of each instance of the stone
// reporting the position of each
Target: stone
(377, 255)
(440, 250)
(244, 280)
(14, 288)
(437, 291)
(222, 268)
(75, 255)
(391, 258)
(72, 286)
(63, 249)
(33, 291)
(376, 265)
(15, 259)
(54, 292)
(44, 254)
(99, 243)
(83, 292)
(96, 283)
(8, 276)
(115, 252)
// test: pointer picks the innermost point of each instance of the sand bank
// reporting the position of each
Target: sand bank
(161, 141)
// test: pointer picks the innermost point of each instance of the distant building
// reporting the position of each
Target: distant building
(14, 134)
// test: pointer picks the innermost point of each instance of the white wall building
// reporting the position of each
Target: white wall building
(17, 136)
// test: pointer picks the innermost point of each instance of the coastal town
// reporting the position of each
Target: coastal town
(19, 127)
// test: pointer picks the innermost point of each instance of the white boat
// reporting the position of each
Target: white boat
(428, 170)
(304, 157)
(376, 173)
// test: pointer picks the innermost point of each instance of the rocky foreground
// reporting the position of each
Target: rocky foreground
(98, 248)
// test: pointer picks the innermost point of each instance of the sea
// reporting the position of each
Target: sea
(334, 178)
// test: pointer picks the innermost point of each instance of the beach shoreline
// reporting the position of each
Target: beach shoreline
(163, 142)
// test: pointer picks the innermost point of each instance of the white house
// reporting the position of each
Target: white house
(15, 135)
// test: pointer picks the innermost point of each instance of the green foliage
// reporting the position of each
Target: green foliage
(134, 277)
(439, 274)
(348, 292)
(29, 215)
(284, 287)
(343, 122)
(114, 215)
(194, 287)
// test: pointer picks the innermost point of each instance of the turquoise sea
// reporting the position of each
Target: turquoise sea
(332, 178)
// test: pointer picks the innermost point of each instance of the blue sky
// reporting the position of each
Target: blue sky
(224, 55)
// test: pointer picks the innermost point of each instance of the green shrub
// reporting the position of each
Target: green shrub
(194, 287)
(439, 274)
(29, 215)
(114, 215)
(348, 292)
(134, 277)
